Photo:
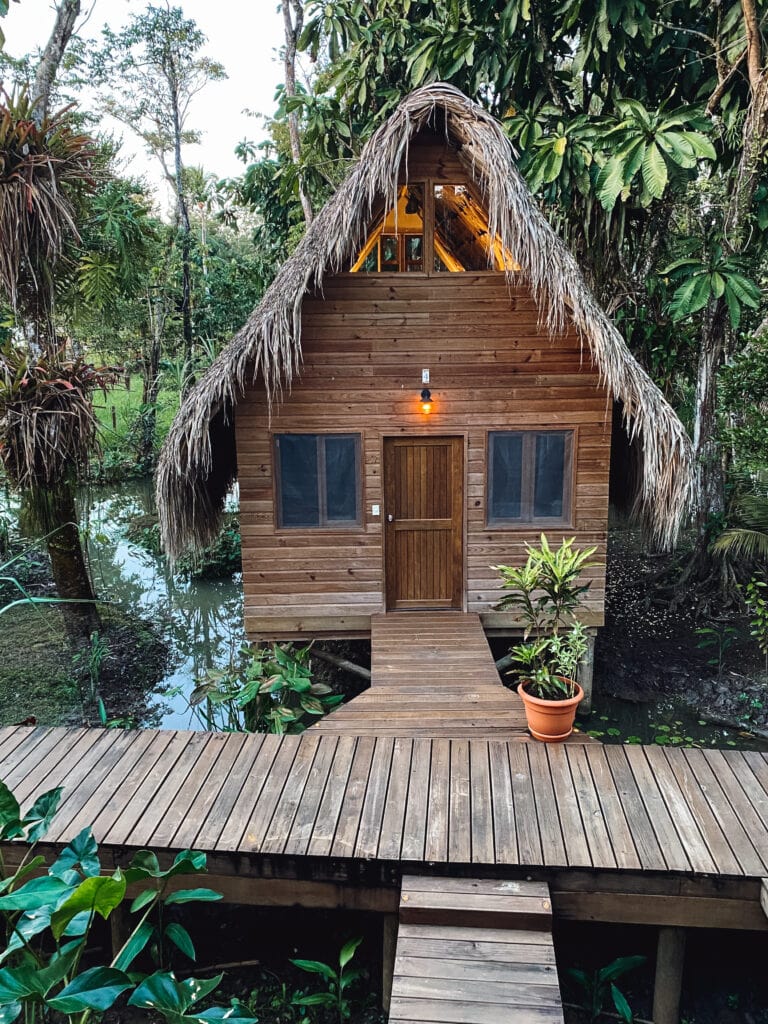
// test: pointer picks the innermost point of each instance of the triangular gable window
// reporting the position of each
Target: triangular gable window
(441, 227)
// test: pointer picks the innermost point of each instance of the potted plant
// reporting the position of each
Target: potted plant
(547, 592)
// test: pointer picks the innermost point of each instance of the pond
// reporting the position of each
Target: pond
(201, 620)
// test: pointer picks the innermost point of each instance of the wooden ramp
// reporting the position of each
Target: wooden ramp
(474, 952)
(432, 674)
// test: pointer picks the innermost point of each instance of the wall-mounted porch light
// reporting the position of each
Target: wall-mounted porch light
(426, 401)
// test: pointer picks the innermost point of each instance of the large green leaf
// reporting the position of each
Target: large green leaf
(134, 945)
(95, 989)
(180, 937)
(348, 951)
(10, 812)
(41, 813)
(192, 896)
(9, 1011)
(161, 991)
(82, 852)
(99, 895)
(316, 967)
(40, 892)
(655, 173)
(223, 1013)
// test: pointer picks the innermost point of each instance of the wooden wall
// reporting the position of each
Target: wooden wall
(365, 342)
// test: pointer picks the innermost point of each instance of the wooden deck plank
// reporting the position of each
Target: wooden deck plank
(436, 844)
(207, 797)
(417, 807)
(646, 844)
(597, 836)
(678, 811)
(574, 836)
(482, 827)
(73, 773)
(330, 807)
(248, 822)
(354, 796)
(217, 812)
(757, 796)
(393, 822)
(459, 808)
(372, 813)
(613, 814)
(526, 819)
(282, 820)
(667, 836)
(503, 805)
(38, 756)
(306, 814)
(547, 811)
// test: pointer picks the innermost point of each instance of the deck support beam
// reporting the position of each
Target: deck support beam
(586, 672)
(389, 946)
(668, 984)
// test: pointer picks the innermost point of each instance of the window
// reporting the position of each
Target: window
(529, 476)
(396, 245)
(318, 480)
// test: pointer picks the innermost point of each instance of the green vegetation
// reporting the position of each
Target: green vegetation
(597, 986)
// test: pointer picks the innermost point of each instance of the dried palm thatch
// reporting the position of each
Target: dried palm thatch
(42, 168)
(198, 464)
(47, 421)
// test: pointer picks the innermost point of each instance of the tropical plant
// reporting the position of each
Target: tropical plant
(270, 691)
(718, 639)
(338, 980)
(749, 539)
(756, 595)
(546, 593)
(49, 912)
(597, 986)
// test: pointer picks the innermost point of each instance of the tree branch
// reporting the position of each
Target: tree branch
(66, 16)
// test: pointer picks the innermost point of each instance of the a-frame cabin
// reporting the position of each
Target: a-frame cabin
(426, 386)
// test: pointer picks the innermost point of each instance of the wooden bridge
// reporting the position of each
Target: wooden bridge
(390, 804)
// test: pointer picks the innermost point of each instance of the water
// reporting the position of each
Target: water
(201, 621)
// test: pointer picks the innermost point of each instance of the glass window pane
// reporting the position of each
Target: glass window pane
(549, 476)
(299, 500)
(506, 476)
(341, 479)
(461, 230)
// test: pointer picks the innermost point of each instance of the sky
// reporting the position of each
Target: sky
(243, 35)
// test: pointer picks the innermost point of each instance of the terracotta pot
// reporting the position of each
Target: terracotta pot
(550, 720)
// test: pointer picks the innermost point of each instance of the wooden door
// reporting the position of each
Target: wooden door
(423, 521)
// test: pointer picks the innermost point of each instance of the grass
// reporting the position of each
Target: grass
(126, 404)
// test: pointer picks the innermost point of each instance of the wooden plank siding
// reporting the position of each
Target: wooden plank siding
(493, 366)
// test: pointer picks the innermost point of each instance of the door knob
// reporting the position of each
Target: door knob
(390, 518)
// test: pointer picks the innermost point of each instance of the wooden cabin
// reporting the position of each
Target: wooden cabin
(425, 388)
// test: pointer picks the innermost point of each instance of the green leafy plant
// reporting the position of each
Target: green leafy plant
(757, 603)
(546, 592)
(719, 640)
(597, 986)
(338, 980)
(48, 914)
(90, 663)
(271, 691)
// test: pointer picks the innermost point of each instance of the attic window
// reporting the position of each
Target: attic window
(318, 480)
(529, 477)
(400, 240)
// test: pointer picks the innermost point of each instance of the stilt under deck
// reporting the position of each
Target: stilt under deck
(432, 674)
(474, 951)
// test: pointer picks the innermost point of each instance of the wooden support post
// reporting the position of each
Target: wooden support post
(120, 928)
(670, 955)
(586, 671)
(389, 946)
(764, 896)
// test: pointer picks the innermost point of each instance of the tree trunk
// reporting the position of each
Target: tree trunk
(186, 231)
(150, 366)
(292, 33)
(69, 568)
(66, 16)
(710, 500)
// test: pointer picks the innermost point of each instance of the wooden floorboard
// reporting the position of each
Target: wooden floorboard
(474, 951)
(409, 799)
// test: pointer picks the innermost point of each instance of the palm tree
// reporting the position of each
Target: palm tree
(750, 538)
(47, 422)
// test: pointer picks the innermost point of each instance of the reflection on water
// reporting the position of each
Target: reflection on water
(201, 620)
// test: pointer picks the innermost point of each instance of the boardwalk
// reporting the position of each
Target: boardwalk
(402, 799)
(470, 950)
(431, 675)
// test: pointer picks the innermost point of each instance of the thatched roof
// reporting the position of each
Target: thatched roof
(198, 465)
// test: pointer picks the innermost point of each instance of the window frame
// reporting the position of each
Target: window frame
(528, 479)
(322, 485)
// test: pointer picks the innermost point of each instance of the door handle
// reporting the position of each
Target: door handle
(390, 518)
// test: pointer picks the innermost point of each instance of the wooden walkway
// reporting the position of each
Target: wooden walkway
(402, 799)
(471, 951)
(432, 674)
